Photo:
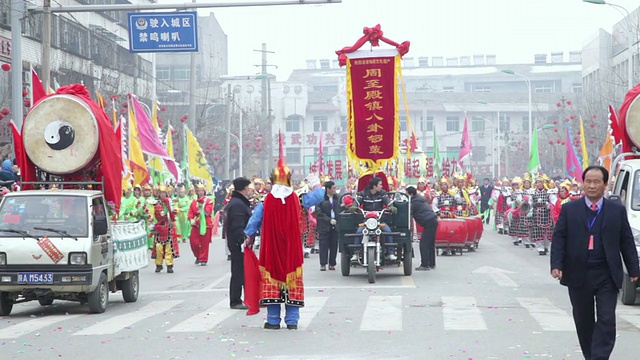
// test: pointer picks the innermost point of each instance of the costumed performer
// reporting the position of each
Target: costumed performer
(182, 203)
(281, 255)
(201, 218)
(165, 239)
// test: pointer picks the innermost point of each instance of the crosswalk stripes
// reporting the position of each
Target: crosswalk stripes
(461, 313)
(207, 320)
(383, 313)
(29, 326)
(117, 323)
(550, 317)
(380, 313)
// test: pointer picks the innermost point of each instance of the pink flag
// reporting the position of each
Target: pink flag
(320, 163)
(149, 139)
(465, 144)
(574, 170)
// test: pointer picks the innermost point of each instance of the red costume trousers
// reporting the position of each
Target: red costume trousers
(200, 243)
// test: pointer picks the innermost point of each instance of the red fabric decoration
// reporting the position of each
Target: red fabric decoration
(5, 111)
(628, 99)
(38, 89)
(251, 282)
(6, 67)
(372, 35)
(27, 168)
(364, 179)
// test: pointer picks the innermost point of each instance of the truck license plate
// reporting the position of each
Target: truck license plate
(35, 278)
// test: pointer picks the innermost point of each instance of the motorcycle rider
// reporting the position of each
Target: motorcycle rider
(374, 198)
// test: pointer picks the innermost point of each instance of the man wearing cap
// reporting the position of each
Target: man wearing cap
(200, 216)
(238, 214)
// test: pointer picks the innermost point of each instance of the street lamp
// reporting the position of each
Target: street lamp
(629, 37)
(526, 79)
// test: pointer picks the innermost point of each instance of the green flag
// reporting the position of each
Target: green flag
(534, 158)
(436, 154)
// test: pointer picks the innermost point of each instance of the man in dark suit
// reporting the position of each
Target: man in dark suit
(589, 237)
(327, 232)
(425, 217)
(485, 195)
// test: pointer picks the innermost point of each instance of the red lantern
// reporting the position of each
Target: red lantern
(591, 141)
(27, 103)
(25, 92)
(558, 141)
(578, 132)
(2, 116)
(207, 152)
(550, 142)
(567, 119)
(594, 116)
(174, 132)
(5, 111)
(125, 104)
(555, 130)
(568, 102)
(6, 67)
(563, 143)
(558, 104)
(163, 108)
(592, 124)
(216, 158)
(184, 118)
(572, 117)
(555, 122)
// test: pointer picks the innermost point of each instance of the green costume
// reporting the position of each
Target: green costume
(149, 203)
(130, 209)
(182, 220)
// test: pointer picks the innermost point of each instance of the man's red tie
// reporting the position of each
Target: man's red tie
(594, 207)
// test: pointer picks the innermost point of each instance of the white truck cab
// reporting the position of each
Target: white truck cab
(60, 244)
(626, 189)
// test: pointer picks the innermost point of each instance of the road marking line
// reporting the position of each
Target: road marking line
(312, 306)
(17, 330)
(550, 317)
(207, 320)
(383, 313)
(461, 313)
(631, 316)
(328, 287)
(217, 282)
(117, 323)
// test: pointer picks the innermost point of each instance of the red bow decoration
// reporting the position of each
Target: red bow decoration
(372, 35)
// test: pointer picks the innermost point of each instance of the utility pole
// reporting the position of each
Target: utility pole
(266, 110)
(192, 94)
(227, 143)
(18, 10)
(46, 45)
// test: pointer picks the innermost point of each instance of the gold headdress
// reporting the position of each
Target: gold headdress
(422, 179)
(566, 184)
(516, 180)
(281, 174)
(445, 180)
(506, 180)
(527, 177)
(258, 181)
(325, 178)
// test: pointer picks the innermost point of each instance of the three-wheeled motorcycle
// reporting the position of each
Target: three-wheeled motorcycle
(373, 247)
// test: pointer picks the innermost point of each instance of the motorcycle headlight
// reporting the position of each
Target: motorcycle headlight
(636, 236)
(371, 223)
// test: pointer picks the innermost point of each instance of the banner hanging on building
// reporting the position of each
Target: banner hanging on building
(372, 123)
(163, 32)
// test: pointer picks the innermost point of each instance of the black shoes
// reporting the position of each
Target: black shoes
(204, 263)
(239, 307)
(272, 326)
(292, 327)
(228, 257)
(197, 262)
(170, 269)
(423, 268)
(158, 268)
(323, 267)
(332, 268)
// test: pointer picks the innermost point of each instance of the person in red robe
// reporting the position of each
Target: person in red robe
(281, 254)
(201, 217)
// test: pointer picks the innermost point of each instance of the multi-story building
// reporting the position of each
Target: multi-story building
(440, 94)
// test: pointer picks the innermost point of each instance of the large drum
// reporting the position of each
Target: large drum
(632, 121)
(472, 231)
(479, 228)
(451, 233)
(60, 135)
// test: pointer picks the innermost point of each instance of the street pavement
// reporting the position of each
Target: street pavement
(496, 303)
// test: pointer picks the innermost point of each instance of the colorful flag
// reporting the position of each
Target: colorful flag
(574, 169)
(156, 163)
(127, 175)
(198, 166)
(465, 144)
(136, 158)
(437, 162)
(100, 100)
(606, 153)
(534, 158)
(149, 139)
(583, 146)
(37, 89)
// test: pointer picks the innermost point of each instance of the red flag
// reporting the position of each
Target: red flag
(251, 282)
(37, 88)
(465, 143)
(615, 126)
(320, 162)
(27, 168)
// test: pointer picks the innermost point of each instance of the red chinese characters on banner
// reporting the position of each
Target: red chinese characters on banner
(429, 167)
(296, 139)
(373, 90)
(416, 169)
(408, 168)
(338, 168)
(330, 139)
(312, 139)
(328, 167)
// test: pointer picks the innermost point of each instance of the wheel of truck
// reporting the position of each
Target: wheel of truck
(345, 263)
(6, 304)
(371, 264)
(45, 302)
(628, 296)
(130, 288)
(99, 298)
(407, 260)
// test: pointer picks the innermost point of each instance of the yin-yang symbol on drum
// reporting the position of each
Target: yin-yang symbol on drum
(59, 134)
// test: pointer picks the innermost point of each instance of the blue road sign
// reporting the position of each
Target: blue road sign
(163, 32)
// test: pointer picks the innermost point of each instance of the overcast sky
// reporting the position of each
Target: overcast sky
(513, 30)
